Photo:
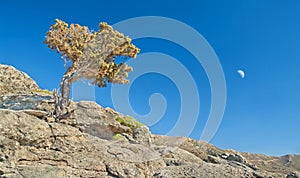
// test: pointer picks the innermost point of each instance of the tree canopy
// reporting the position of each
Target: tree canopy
(92, 54)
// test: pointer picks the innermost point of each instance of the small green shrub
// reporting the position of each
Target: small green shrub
(119, 137)
(129, 122)
(43, 91)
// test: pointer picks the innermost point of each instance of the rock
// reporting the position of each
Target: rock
(27, 102)
(213, 159)
(203, 170)
(142, 135)
(292, 175)
(85, 144)
(13, 81)
(49, 145)
(30, 146)
(37, 113)
(224, 155)
(95, 120)
(237, 158)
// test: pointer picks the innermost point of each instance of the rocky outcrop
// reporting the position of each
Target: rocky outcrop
(14, 81)
(33, 145)
(92, 141)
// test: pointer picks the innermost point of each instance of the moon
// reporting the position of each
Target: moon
(241, 73)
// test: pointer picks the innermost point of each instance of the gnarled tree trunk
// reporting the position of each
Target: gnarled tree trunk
(62, 100)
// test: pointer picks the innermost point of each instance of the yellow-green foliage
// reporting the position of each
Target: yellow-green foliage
(43, 91)
(129, 122)
(92, 52)
(119, 137)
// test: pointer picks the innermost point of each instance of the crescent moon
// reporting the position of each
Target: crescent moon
(241, 73)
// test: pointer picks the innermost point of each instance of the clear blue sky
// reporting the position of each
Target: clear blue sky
(262, 37)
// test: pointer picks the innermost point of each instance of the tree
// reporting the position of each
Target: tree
(92, 55)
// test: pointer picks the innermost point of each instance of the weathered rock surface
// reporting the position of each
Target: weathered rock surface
(92, 141)
(14, 81)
